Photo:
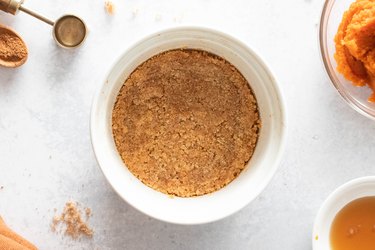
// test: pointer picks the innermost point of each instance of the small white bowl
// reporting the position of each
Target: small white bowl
(254, 177)
(346, 193)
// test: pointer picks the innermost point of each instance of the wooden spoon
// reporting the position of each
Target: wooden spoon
(16, 60)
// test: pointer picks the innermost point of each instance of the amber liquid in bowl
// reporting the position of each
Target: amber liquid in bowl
(354, 226)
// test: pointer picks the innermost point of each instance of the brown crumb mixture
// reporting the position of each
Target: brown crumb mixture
(88, 212)
(109, 7)
(186, 122)
(71, 218)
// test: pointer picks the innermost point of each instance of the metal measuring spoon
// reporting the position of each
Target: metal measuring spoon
(69, 31)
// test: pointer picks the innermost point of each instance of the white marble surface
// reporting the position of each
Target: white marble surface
(45, 152)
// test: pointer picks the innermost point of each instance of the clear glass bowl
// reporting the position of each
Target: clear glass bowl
(356, 97)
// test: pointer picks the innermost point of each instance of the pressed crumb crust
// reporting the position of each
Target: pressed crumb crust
(186, 122)
(355, 44)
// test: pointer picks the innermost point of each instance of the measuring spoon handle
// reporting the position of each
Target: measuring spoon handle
(36, 15)
(10, 6)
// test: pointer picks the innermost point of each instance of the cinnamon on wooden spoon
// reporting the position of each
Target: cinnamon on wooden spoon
(13, 50)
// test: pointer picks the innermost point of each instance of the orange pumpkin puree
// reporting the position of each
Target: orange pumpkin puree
(355, 44)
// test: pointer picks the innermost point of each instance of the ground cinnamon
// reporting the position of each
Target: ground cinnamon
(12, 48)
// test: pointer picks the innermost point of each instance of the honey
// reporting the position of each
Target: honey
(354, 226)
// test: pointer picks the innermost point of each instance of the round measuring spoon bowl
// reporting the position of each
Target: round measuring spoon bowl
(69, 31)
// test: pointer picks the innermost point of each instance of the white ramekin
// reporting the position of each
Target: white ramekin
(254, 177)
(346, 193)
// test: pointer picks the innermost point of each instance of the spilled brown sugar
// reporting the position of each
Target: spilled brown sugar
(73, 223)
(186, 122)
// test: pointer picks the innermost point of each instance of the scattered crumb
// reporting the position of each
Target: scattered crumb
(109, 7)
(88, 212)
(72, 221)
(55, 221)
(2, 187)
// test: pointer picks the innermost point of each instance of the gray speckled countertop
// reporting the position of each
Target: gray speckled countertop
(46, 156)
